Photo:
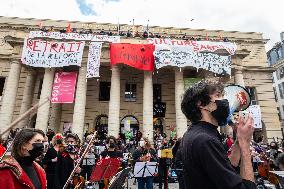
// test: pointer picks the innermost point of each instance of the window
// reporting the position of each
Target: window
(2, 83)
(279, 113)
(280, 86)
(39, 88)
(130, 92)
(157, 92)
(275, 94)
(252, 92)
(104, 93)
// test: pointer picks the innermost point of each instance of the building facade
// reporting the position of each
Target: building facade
(123, 94)
(275, 58)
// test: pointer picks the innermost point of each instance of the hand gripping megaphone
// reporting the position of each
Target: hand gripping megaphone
(238, 97)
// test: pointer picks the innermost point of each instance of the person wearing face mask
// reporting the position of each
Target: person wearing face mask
(205, 162)
(50, 159)
(20, 171)
(67, 160)
(111, 149)
(273, 154)
(145, 153)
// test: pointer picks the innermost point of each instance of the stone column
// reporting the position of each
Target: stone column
(80, 103)
(181, 121)
(148, 106)
(43, 111)
(9, 95)
(114, 103)
(239, 78)
(55, 116)
(27, 96)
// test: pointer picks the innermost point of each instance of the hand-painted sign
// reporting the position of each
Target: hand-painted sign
(42, 53)
(74, 36)
(64, 87)
(211, 56)
(93, 66)
(139, 56)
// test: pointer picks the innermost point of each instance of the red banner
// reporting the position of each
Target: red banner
(139, 56)
(64, 87)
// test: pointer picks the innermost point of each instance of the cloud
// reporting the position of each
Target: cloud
(85, 8)
(241, 15)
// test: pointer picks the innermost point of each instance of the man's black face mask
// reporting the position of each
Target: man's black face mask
(222, 112)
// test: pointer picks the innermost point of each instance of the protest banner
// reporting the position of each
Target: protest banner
(93, 66)
(42, 53)
(64, 85)
(139, 56)
(208, 55)
(74, 36)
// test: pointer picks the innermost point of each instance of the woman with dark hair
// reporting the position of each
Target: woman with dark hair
(50, 159)
(145, 152)
(21, 170)
(67, 160)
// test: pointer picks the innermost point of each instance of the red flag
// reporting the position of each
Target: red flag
(139, 56)
(69, 29)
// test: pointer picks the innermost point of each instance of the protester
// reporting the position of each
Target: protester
(205, 161)
(67, 160)
(2, 148)
(144, 153)
(20, 171)
(177, 163)
(50, 159)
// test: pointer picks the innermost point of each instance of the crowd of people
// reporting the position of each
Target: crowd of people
(203, 158)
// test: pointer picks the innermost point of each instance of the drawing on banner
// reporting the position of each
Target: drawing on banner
(42, 53)
(139, 56)
(63, 90)
(74, 36)
(256, 114)
(93, 66)
(182, 56)
(197, 46)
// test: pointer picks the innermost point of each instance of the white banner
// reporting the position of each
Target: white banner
(211, 56)
(197, 46)
(93, 66)
(74, 36)
(42, 53)
(256, 114)
(182, 56)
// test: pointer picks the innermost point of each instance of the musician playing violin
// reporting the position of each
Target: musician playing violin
(66, 160)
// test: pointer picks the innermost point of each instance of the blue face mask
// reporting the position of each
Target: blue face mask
(222, 112)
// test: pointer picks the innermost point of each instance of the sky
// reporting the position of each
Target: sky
(238, 15)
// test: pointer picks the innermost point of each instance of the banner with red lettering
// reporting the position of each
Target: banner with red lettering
(42, 53)
(139, 56)
(207, 55)
(64, 87)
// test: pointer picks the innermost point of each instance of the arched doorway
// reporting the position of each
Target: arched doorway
(130, 124)
(101, 126)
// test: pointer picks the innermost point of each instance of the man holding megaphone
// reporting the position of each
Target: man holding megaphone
(205, 161)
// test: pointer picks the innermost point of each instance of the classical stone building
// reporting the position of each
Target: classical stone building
(275, 58)
(123, 93)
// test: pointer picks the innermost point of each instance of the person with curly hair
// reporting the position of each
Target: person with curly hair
(206, 164)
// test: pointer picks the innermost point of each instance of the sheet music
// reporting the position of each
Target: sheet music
(149, 171)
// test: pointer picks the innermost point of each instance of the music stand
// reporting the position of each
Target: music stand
(105, 169)
(145, 169)
(119, 179)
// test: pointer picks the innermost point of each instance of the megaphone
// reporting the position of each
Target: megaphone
(238, 97)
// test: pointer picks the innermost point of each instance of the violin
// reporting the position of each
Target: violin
(78, 181)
